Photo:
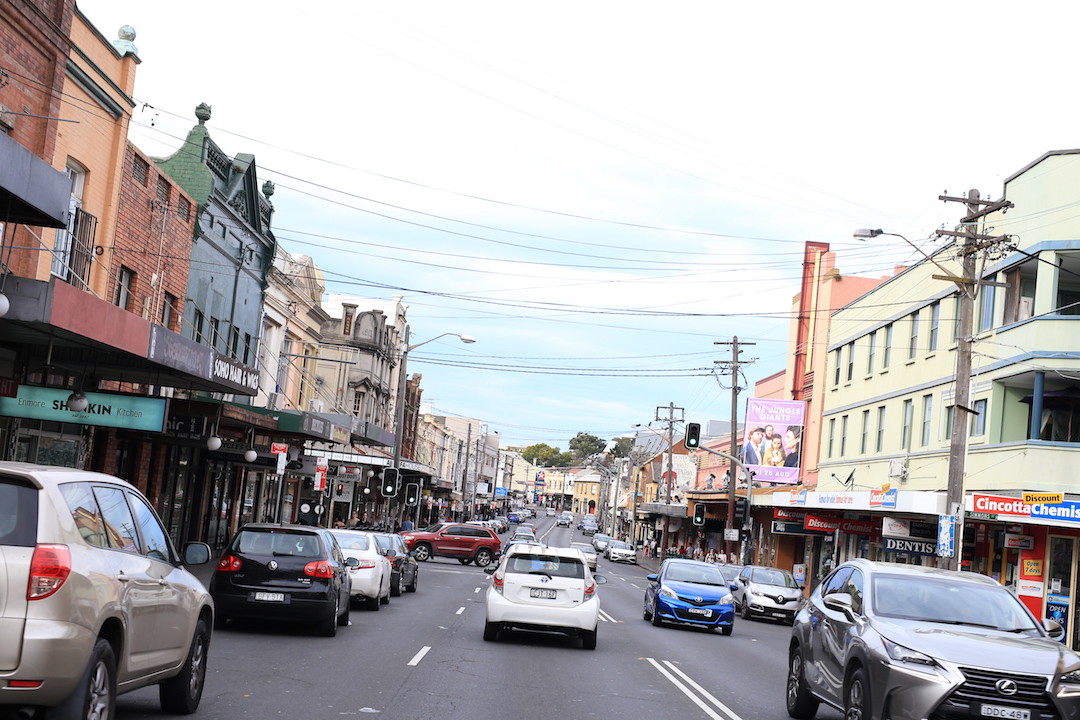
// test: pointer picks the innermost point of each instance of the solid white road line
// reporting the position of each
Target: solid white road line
(686, 691)
(460, 610)
(606, 617)
(420, 655)
(728, 711)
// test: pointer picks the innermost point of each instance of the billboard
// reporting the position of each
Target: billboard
(772, 444)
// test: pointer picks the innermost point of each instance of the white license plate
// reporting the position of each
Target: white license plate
(270, 597)
(542, 593)
(700, 611)
(1008, 713)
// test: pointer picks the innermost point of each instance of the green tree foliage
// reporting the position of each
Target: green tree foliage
(622, 447)
(585, 445)
(544, 455)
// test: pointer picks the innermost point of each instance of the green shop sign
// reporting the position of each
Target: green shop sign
(133, 412)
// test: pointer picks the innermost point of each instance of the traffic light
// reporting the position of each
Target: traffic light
(340, 489)
(699, 514)
(693, 435)
(412, 493)
(389, 482)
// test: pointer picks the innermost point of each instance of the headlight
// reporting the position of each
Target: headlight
(1070, 681)
(668, 592)
(727, 600)
(906, 654)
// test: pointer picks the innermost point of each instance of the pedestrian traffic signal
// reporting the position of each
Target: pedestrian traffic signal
(412, 493)
(389, 482)
(693, 435)
(699, 514)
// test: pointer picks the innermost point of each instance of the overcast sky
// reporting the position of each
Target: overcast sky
(599, 191)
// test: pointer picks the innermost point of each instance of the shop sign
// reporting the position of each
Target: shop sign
(1067, 511)
(815, 522)
(980, 516)
(784, 514)
(1030, 588)
(1033, 567)
(781, 527)
(1031, 498)
(909, 545)
(884, 498)
(186, 426)
(1019, 542)
(131, 412)
(858, 527)
(902, 528)
(341, 435)
(279, 448)
(798, 497)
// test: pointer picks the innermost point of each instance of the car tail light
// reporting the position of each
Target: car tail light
(25, 683)
(364, 565)
(590, 588)
(319, 569)
(498, 581)
(49, 568)
(229, 563)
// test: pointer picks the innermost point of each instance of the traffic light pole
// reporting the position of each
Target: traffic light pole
(749, 485)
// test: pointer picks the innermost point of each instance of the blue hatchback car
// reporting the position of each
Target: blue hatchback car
(690, 592)
(514, 517)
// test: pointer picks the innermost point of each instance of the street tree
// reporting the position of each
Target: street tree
(544, 455)
(622, 447)
(585, 445)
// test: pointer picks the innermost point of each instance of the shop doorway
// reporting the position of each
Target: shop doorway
(1060, 580)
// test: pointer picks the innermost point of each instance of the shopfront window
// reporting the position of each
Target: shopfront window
(1059, 583)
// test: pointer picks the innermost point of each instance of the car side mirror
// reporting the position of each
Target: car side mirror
(839, 602)
(1053, 628)
(489, 570)
(600, 579)
(352, 562)
(734, 586)
(196, 553)
(651, 578)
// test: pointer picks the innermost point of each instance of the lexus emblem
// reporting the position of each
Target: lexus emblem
(272, 564)
(1005, 686)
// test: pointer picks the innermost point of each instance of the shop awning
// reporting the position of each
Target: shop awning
(31, 191)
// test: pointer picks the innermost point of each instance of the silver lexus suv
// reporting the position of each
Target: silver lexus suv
(905, 642)
(94, 600)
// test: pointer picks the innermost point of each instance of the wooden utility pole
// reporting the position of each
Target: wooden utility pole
(732, 366)
(669, 475)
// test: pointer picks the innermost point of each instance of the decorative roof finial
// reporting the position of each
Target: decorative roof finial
(268, 188)
(203, 113)
(124, 43)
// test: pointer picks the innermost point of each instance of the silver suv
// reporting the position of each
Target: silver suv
(882, 640)
(94, 600)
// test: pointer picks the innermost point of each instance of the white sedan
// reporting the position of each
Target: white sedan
(371, 578)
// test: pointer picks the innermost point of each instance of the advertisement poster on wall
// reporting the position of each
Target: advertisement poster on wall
(772, 445)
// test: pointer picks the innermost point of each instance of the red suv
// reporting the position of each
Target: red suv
(467, 543)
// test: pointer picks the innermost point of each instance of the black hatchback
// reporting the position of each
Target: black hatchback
(283, 572)
(404, 570)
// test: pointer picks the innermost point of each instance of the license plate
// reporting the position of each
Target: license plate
(542, 593)
(1008, 713)
(270, 597)
(700, 611)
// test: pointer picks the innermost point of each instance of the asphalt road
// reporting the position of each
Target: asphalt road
(423, 657)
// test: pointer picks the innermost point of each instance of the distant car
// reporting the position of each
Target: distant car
(521, 536)
(767, 592)
(620, 551)
(504, 523)
(514, 517)
(564, 520)
(588, 551)
(370, 578)
(551, 512)
(690, 592)
(730, 572)
(283, 572)
(589, 527)
(600, 541)
(94, 599)
(545, 589)
(466, 543)
(883, 640)
(404, 570)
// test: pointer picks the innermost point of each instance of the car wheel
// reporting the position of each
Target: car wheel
(464, 561)
(328, 627)
(645, 614)
(857, 697)
(423, 552)
(483, 557)
(385, 599)
(180, 695)
(727, 629)
(588, 640)
(372, 603)
(800, 703)
(415, 579)
(95, 696)
(656, 618)
(396, 588)
(343, 618)
(491, 631)
(745, 611)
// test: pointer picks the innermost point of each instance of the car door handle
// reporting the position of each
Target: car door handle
(122, 577)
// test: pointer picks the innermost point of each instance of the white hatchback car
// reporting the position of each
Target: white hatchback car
(543, 589)
(371, 578)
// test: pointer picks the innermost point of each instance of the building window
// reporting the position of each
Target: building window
(986, 307)
(865, 432)
(183, 208)
(879, 441)
(905, 437)
(843, 436)
(234, 343)
(124, 287)
(927, 416)
(168, 311)
(850, 360)
(197, 326)
(886, 347)
(140, 171)
(832, 434)
(215, 332)
(836, 365)
(913, 341)
(871, 350)
(978, 418)
(247, 348)
(163, 189)
(935, 321)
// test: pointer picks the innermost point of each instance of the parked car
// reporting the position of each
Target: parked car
(284, 572)
(690, 592)
(94, 599)
(767, 592)
(404, 570)
(466, 543)
(600, 541)
(565, 519)
(588, 551)
(730, 572)
(504, 523)
(879, 640)
(620, 551)
(543, 588)
(370, 578)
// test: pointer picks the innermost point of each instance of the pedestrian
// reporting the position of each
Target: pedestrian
(652, 547)
(710, 557)
(698, 554)
(407, 525)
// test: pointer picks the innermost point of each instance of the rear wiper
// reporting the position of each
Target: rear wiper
(545, 573)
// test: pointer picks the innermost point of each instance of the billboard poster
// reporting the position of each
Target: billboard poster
(772, 444)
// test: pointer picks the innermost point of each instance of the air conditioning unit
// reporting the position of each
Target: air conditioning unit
(273, 401)
(316, 406)
(1027, 308)
(898, 469)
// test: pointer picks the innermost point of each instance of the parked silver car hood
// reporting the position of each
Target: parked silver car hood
(980, 647)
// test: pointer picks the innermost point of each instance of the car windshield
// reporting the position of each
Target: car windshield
(523, 536)
(602, 536)
(619, 545)
(583, 547)
(433, 528)
(349, 541)
(953, 603)
(553, 565)
(261, 542)
(730, 572)
(697, 574)
(773, 576)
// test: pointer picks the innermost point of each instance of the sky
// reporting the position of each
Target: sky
(599, 192)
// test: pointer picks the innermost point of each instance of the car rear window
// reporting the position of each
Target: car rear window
(269, 542)
(554, 565)
(353, 542)
(18, 513)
